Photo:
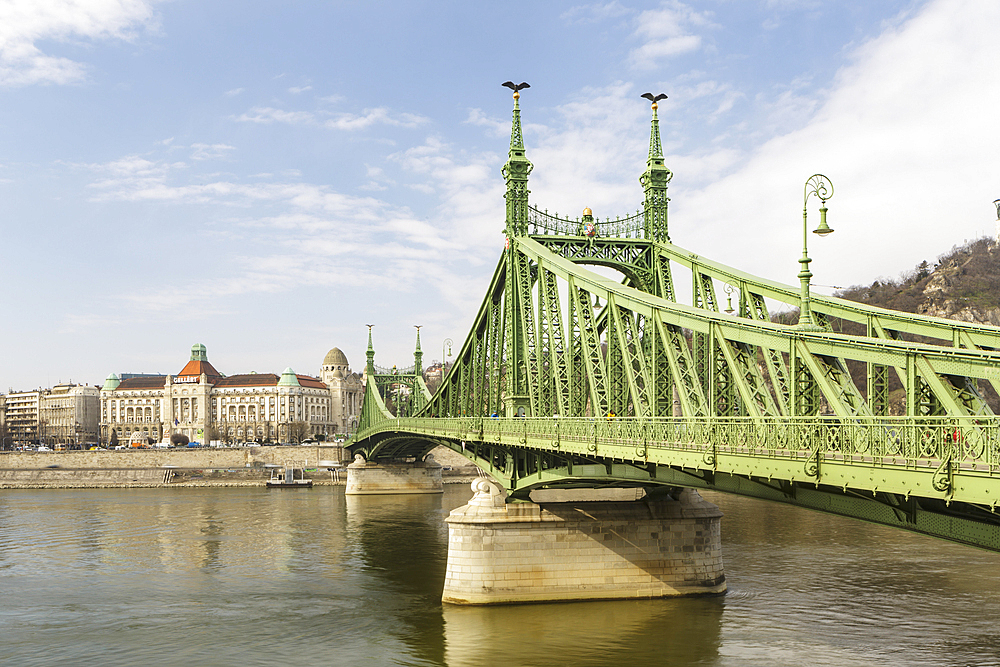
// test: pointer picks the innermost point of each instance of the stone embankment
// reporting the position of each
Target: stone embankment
(144, 468)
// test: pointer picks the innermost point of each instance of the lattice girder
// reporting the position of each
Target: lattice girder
(590, 341)
(952, 332)
(943, 361)
(635, 258)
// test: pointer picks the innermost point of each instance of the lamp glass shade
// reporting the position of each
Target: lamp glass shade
(823, 228)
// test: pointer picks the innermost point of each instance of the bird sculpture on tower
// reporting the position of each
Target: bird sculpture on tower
(653, 99)
(515, 87)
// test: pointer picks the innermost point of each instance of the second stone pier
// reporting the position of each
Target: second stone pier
(505, 553)
(366, 478)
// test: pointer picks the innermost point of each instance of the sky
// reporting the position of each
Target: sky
(266, 178)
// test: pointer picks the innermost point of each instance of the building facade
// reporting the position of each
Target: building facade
(66, 414)
(204, 405)
(69, 414)
(21, 409)
(347, 391)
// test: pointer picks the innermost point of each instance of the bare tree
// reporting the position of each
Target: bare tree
(6, 439)
(298, 431)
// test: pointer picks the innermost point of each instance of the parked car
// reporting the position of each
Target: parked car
(43, 448)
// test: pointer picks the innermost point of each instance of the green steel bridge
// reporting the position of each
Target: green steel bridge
(572, 379)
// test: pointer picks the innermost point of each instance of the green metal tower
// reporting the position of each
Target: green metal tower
(519, 323)
(654, 184)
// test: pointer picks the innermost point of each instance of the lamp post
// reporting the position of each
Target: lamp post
(818, 185)
(729, 299)
(446, 344)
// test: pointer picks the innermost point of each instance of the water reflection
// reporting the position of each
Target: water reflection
(404, 540)
(636, 632)
(849, 593)
(256, 577)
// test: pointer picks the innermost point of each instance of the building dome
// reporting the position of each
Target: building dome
(111, 383)
(335, 358)
(288, 379)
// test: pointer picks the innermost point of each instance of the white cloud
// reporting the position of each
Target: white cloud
(907, 134)
(234, 92)
(595, 13)
(378, 115)
(318, 237)
(26, 23)
(468, 190)
(341, 121)
(295, 90)
(792, 4)
(496, 127)
(210, 151)
(667, 32)
(272, 115)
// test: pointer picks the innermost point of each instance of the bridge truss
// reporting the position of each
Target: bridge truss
(569, 378)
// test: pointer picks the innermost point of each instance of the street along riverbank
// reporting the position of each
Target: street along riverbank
(145, 468)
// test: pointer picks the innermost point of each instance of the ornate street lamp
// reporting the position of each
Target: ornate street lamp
(445, 345)
(818, 185)
(729, 299)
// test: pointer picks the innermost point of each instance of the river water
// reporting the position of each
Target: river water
(246, 576)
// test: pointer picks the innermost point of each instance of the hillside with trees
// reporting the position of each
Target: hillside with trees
(963, 284)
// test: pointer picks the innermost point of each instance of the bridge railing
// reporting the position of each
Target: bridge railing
(971, 443)
(542, 222)
(381, 370)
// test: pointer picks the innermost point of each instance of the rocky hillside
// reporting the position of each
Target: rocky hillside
(964, 284)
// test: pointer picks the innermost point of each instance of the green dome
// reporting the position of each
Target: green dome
(288, 379)
(112, 382)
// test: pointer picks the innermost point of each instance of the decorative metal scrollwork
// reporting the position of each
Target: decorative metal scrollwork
(928, 442)
(811, 466)
(942, 476)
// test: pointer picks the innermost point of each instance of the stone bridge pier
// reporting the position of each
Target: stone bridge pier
(514, 552)
(368, 478)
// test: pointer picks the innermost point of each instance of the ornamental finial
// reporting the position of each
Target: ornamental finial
(654, 99)
(655, 147)
(516, 87)
(516, 140)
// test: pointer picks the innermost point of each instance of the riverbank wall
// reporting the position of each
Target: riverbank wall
(145, 468)
(181, 457)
